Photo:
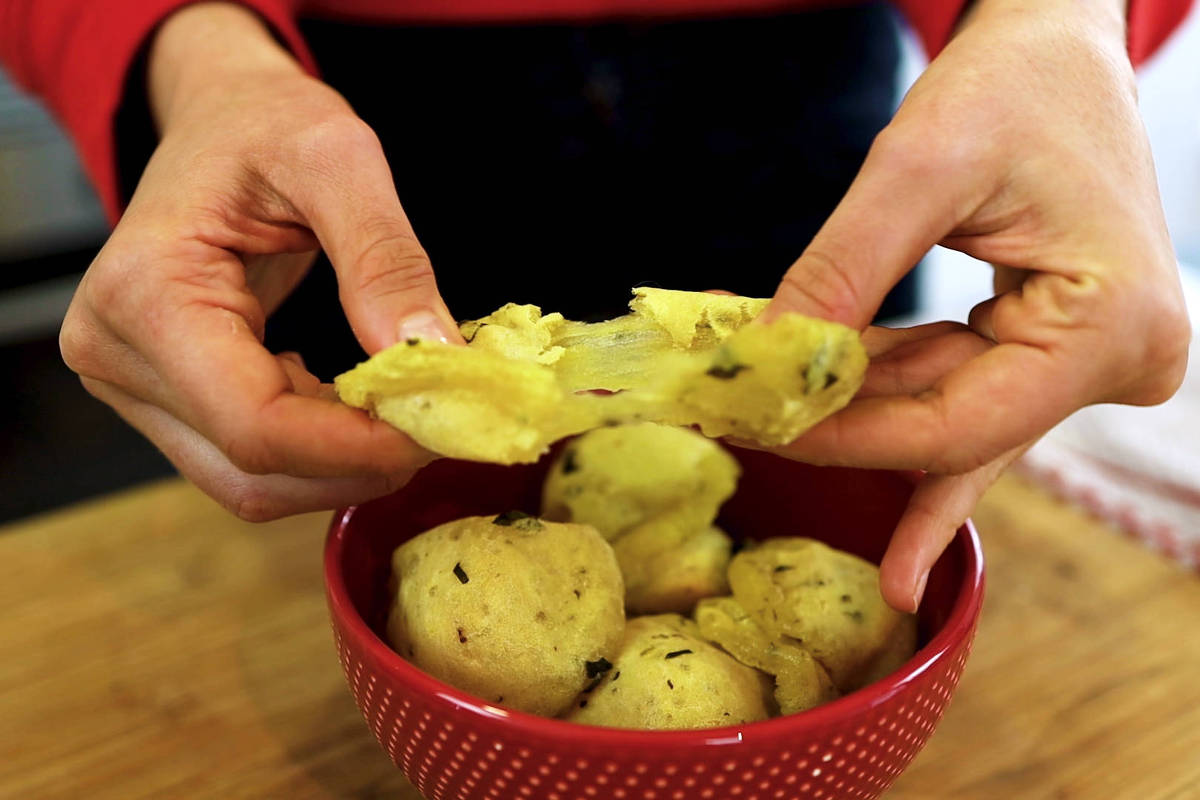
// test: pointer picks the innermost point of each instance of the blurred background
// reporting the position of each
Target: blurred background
(58, 445)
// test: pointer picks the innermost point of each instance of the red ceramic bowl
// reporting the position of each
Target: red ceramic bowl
(454, 746)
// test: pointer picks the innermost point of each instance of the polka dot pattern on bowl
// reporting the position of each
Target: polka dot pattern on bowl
(856, 758)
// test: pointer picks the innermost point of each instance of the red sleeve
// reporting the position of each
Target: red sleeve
(76, 55)
(932, 20)
(1150, 23)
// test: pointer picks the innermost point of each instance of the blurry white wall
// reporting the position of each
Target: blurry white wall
(1169, 93)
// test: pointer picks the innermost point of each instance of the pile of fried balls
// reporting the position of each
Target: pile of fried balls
(623, 604)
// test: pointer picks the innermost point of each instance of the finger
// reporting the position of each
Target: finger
(254, 413)
(1007, 282)
(1008, 279)
(896, 209)
(292, 357)
(214, 375)
(252, 497)
(967, 418)
(878, 340)
(939, 506)
(303, 382)
(385, 280)
(911, 363)
(981, 318)
(187, 340)
(903, 361)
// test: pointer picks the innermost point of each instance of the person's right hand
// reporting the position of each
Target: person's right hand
(1020, 145)
(258, 166)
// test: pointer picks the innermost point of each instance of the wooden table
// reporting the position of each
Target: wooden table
(154, 647)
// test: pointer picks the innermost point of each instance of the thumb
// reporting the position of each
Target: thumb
(893, 213)
(387, 287)
(385, 280)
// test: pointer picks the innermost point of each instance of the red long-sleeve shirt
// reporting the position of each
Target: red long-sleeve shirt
(76, 54)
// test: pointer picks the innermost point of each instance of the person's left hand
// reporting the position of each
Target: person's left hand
(1020, 145)
(258, 166)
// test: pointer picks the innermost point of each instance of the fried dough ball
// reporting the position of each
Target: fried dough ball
(829, 602)
(800, 681)
(666, 677)
(618, 477)
(653, 491)
(898, 649)
(509, 608)
(668, 566)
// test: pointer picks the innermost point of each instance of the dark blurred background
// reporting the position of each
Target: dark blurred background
(57, 444)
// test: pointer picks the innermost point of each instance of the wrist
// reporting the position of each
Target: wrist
(1100, 21)
(199, 52)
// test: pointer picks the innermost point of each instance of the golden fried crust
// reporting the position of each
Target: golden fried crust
(511, 609)
(668, 568)
(618, 477)
(666, 677)
(463, 403)
(681, 358)
(653, 491)
(828, 601)
(800, 680)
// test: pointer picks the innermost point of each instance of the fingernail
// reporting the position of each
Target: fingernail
(920, 591)
(422, 325)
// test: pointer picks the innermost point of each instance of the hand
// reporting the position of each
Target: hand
(1020, 145)
(258, 166)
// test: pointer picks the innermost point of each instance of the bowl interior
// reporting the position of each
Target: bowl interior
(855, 510)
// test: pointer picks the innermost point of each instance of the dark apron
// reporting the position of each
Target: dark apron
(561, 165)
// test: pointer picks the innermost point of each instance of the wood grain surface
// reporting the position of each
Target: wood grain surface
(155, 647)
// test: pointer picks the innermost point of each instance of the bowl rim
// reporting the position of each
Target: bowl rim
(958, 626)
